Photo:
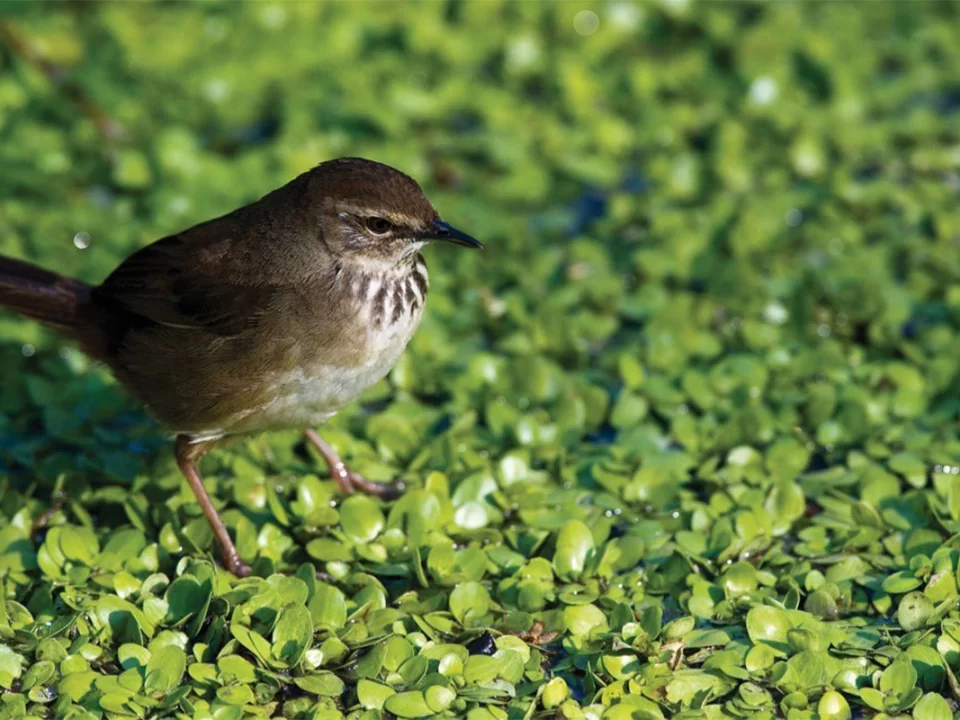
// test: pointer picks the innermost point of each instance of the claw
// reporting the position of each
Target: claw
(237, 567)
(347, 479)
(387, 491)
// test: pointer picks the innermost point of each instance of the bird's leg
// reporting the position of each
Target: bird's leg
(349, 481)
(188, 454)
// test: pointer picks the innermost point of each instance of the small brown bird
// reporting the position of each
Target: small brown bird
(274, 316)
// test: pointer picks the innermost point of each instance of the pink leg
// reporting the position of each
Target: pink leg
(187, 456)
(348, 480)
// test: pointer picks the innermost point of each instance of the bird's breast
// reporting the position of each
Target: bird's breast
(381, 312)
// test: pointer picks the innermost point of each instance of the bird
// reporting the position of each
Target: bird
(274, 316)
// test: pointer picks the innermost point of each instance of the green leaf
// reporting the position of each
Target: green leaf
(439, 698)
(328, 607)
(78, 544)
(371, 662)
(324, 684)
(165, 670)
(767, 624)
(932, 706)
(408, 705)
(361, 518)
(39, 673)
(131, 655)
(185, 597)
(292, 635)
(914, 611)
(329, 550)
(236, 695)
(252, 641)
(234, 669)
(583, 619)
(901, 582)
(554, 693)
(574, 546)
(833, 706)
(468, 601)
(372, 695)
(77, 685)
(898, 679)
(11, 665)
(480, 670)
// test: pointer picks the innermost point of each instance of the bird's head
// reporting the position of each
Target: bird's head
(372, 213)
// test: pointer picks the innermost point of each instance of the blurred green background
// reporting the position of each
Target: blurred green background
(682, 442)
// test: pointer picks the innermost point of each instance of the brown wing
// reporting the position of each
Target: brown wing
(188, 282)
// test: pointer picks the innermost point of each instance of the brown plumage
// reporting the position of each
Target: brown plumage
(273, 316)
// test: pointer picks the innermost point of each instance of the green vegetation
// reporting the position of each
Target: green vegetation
(683, 442)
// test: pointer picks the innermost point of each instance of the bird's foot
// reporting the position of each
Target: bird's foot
(349, 481)
(233, 563)
(387, 491)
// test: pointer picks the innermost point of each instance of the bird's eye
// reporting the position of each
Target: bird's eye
(378, 226)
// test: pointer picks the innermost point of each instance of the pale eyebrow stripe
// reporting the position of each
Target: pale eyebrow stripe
(395, 218)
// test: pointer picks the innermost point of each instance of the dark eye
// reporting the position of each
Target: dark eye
(378, 226)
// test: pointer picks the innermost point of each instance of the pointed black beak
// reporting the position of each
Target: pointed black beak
(448, 233)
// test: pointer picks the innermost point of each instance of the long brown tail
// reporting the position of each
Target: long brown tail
(41, 295)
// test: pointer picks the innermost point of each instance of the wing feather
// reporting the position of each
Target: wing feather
(188, 283)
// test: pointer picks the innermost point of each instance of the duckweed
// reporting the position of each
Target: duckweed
(682, 443)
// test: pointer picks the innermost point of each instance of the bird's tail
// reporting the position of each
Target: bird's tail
(52, 299)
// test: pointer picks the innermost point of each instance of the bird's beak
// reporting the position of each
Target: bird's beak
(443, 231)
